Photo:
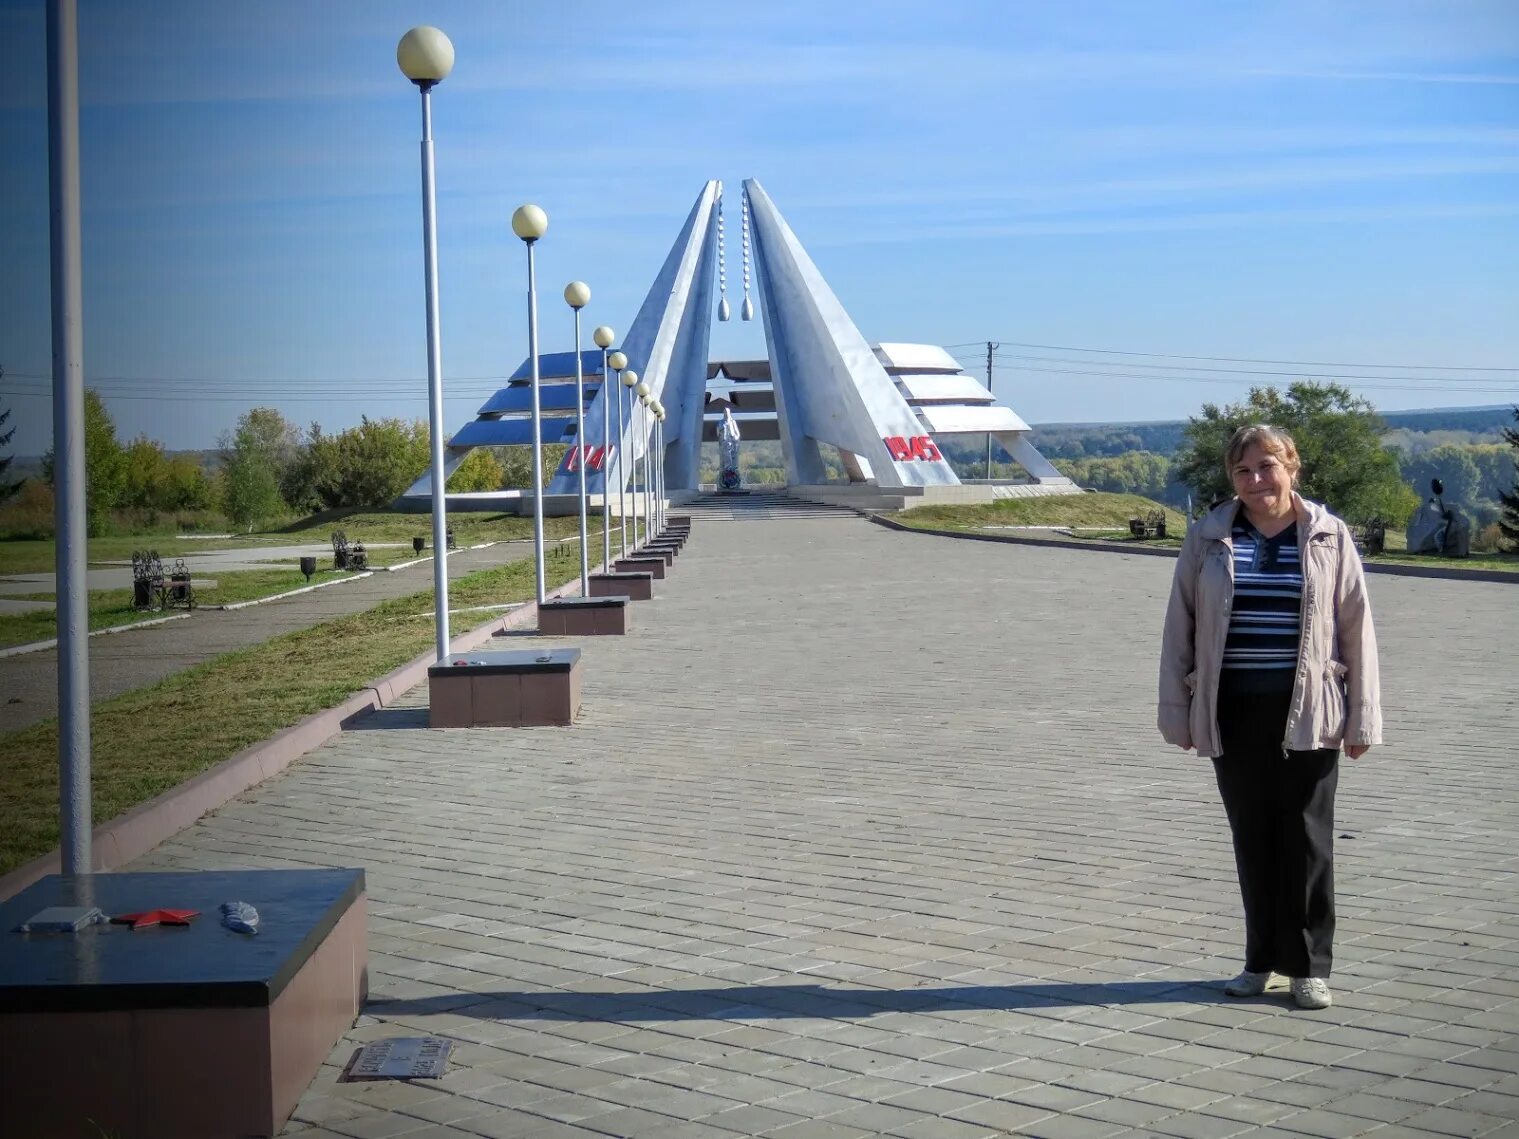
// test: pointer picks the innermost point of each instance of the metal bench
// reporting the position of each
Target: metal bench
(348, 557)
(1152, 525)
(153, 589)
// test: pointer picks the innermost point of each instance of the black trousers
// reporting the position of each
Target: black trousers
(1281, 811)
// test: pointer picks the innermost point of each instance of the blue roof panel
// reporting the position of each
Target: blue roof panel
(512, 432)
(551, 397)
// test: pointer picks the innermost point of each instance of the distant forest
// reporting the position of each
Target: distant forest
(1090, 440)
(1463, 447)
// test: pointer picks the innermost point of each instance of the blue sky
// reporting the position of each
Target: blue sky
(1315, 181)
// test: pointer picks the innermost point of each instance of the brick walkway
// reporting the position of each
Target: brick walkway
(870, 833)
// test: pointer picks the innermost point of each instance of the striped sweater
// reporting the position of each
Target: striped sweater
(1264, 624)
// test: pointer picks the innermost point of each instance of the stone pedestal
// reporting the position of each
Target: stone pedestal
(658, 553)
(505, 689)
(176, 1032)
(640, 564)
(636, 586)
(584, 616)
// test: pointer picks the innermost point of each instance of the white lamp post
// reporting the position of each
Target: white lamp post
(629, 381)
(604, 337)
(530, 223)
(642, 392)
(659, 418)
(577, 294)
(426, 56)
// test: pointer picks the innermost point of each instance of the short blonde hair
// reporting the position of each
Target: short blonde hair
(1272, 440)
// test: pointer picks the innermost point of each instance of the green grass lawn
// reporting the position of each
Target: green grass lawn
(1105, 517)
(152, 739)
(366, 526)
(1508, 563)
(470, 529)
(113, 607)
(1083, 510)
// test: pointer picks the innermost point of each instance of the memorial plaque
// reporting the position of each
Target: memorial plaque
(401, 1058)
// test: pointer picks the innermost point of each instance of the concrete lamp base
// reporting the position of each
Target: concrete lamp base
(505, 689)
(606, 615)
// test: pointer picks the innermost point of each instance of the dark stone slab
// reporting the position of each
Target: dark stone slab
(635, 586)
(202, 965)
(592, 602)
(651, 565)
(499, 662)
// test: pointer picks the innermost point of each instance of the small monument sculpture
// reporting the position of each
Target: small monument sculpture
(1437, 529)
(727, 449)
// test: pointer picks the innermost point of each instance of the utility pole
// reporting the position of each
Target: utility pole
(990, 348)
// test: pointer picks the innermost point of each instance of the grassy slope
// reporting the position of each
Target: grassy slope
(1115, 510)
(1083, 510)
(149, 740)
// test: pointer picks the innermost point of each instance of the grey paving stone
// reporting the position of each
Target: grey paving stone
(802, 827)
(1327, 1123)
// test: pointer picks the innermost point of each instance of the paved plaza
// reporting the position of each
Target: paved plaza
(870, 833)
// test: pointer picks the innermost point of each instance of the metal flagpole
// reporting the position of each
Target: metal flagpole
(577, 295)
(74, 809)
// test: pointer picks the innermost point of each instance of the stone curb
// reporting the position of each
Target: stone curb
(1452, 573)
(288, 593)
(128, 836)
(38, 646)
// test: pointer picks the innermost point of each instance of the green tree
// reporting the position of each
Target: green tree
(1455, 466)
(143, 471)
(1338, 436)
(368, 465)
(1509, 522)
(186, 485)
(103, 462)
(8, 486)
(255, 458)
(480, 471)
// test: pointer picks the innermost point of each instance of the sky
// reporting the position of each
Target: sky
(1109, 190)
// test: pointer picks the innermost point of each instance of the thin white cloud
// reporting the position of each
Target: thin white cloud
(1337, 76)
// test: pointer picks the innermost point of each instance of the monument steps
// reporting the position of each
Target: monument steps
(754, 505)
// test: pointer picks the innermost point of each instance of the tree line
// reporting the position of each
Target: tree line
(1341, 439)
(267, 469)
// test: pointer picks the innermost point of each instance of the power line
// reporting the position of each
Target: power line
(1375, 386)
(1237, 371)
(1245, 359)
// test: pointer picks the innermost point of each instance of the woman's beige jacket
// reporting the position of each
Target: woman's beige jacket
(1336, 696)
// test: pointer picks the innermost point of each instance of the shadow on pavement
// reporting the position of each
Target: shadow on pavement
(385, 719)
(761, 1002)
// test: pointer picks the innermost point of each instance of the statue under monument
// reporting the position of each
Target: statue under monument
(727, 450)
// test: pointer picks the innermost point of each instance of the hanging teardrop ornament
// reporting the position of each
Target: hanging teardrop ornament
(747, 309)
(722, 267)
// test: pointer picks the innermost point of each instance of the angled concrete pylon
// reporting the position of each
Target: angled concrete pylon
(667, 346)
(829, 385)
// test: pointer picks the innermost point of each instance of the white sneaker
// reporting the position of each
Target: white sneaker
(1248, 984)
(1311, 992)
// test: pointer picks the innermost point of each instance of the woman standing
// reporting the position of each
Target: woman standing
(1268, 665)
